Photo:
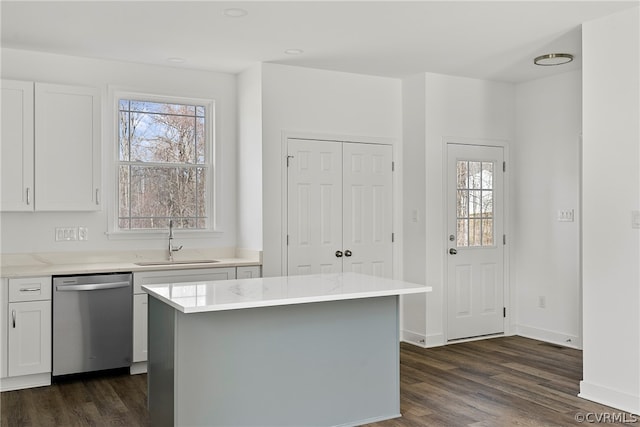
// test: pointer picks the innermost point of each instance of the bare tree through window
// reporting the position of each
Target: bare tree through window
(163, 165)
(474, 203)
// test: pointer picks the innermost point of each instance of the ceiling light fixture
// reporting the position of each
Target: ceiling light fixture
(294, 51)
(175, 60)
(553, 59)
(235, 13)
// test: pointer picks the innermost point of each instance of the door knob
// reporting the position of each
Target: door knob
(452, 251)
(347, 253)
(339, 254)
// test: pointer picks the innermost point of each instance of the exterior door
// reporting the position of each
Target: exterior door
(475, 241)
(339, 208)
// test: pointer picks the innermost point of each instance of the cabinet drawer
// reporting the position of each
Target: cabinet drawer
(30, 289)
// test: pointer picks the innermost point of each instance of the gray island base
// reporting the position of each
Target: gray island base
(296, 363)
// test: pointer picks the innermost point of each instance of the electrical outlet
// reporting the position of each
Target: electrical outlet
(66, 233)
(565, 215)
(83, 233)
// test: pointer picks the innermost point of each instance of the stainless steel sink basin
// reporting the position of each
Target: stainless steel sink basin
(181, 262)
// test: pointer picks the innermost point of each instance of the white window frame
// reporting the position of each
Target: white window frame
(213, 178)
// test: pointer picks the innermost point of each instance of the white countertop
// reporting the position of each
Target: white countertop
(195, 297)
(51, 264)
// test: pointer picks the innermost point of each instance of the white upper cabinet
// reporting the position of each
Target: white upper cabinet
(67, 155)
(17, 146)
(51, 148)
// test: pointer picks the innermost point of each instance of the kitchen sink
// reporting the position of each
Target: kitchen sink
(181, 262)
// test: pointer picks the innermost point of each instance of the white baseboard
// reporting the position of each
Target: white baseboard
(610, 397)
(412, 338)
(421, 340)
(138, 368)
(25, 381)
(553, 337)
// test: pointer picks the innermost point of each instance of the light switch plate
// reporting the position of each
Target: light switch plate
(565, 215)
(83, 233)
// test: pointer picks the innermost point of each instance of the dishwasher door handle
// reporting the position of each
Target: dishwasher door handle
(92, 286)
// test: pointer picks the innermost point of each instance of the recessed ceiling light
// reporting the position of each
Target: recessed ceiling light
(553, 59)
(175, 60)
(294, 51)
(235, 12)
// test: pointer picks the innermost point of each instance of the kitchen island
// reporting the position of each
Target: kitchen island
(319, 350)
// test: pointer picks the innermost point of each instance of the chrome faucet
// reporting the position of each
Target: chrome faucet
(172, 248)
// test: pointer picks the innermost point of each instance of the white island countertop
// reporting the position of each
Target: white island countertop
(197, 297)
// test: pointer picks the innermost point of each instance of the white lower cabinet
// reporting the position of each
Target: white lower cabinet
(26, 337)
(140, 299)
(140, 327)
(29, 346)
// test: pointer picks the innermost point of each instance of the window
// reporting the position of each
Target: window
(474, 203)
(164, 164)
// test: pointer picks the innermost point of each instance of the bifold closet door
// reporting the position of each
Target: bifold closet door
(339, 208)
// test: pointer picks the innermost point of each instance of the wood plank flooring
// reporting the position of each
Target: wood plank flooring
(510, 381)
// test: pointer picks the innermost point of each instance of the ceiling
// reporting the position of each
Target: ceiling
(494, 40)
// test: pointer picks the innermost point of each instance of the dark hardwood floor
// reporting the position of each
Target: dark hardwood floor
(510, 381)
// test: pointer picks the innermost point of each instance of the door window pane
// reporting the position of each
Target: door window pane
(474, 203)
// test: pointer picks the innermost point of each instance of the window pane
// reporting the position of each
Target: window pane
(487, 175)
(475, 172)
(123, 223)
(487, 204)
(123, 139)
(462, 233)
(462, 174)
(475, 232)
(162, 193)
(123, 191)
(162, 107)
(487, 232)
(462, 204)
(475, 203)
(162, 138)
(200, 141)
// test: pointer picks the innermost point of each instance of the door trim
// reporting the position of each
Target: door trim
(396, 183)
(509, 303)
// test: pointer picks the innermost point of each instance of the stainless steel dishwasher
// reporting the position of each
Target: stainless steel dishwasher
(92, 323)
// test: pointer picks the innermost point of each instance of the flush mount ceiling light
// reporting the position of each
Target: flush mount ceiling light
(175, 60)
(294, 51)
(235, 13)
(553, 59)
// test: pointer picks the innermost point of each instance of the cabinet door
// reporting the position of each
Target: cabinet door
(140, 327)
(4, 298)
(67, 155)
(248, 272)
(158, 277)
(17, 146)
(29, 343)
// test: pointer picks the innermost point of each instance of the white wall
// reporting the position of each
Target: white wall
(316, 101)
(453, 107)
(611, 191)
(250, 158)
(34, 232)
(414, 205)
(546, 253)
